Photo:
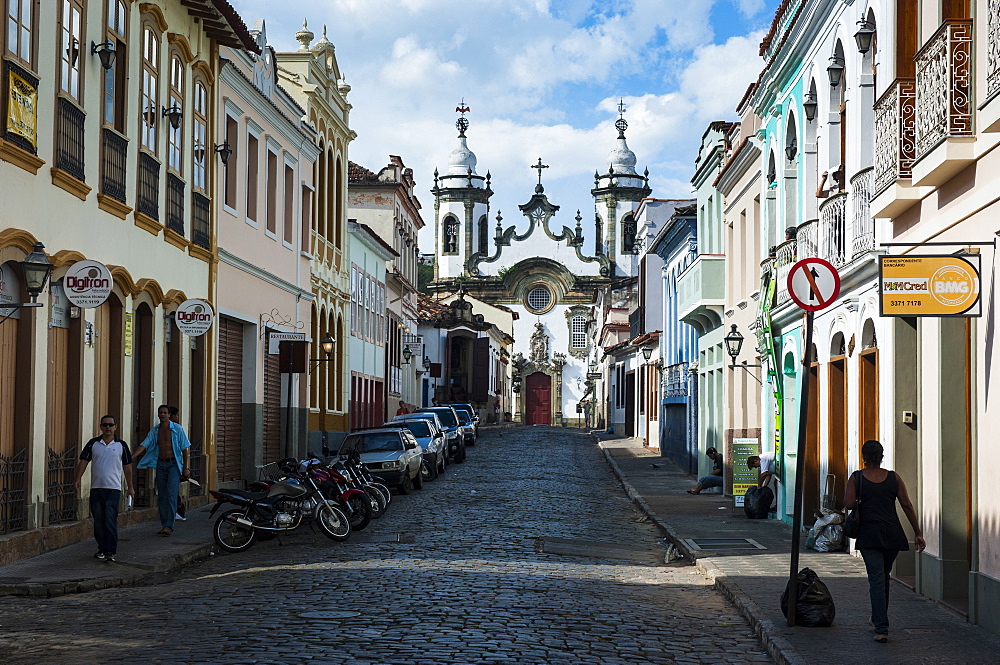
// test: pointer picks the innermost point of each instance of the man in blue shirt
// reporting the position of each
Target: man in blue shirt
(166, 448)
(112, 462)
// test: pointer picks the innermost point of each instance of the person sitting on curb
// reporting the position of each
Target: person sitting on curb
(713, 479)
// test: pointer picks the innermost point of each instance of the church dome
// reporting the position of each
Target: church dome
(622, 159)
(462, 161)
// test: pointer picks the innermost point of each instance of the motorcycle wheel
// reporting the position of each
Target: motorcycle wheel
(362, 512)
(384, 491)
(333, 522)
(376, 502)
(231, 536)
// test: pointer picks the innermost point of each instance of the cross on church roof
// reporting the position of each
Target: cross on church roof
(621, 125)
(539, 166)
(462, 123)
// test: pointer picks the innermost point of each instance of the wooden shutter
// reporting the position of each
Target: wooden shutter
(229, 448)
(272, 408)
(480, 369)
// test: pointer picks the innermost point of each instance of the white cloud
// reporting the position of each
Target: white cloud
(543, 79)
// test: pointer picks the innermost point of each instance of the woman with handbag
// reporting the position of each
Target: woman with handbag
(873, 492)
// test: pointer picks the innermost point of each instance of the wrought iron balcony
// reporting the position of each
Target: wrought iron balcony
(992, 48)
(894, 147)
(944, 86)
(175, 203)
(201, 220)
(807, 239)
(148, 189)
(69, 138)
(862, 224)
(114, 153)
(833, 229)
(784, 257)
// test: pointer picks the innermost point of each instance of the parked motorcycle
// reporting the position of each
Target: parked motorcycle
(349, 465)
(284, 506)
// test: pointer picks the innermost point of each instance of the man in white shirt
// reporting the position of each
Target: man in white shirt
(764, 463)
(112, 462)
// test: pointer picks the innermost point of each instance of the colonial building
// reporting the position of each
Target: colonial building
(264, 213)
(544, 273)
(387, 203)
(107, 156)
(368, 341)
(312, 77)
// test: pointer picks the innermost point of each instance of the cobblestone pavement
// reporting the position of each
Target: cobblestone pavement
(469, 588)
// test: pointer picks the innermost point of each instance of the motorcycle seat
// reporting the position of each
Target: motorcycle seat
(253, 496)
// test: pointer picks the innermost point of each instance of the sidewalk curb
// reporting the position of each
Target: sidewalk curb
(52, 589)
(777, 647)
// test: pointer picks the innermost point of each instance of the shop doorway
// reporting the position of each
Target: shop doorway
(630, 404)
(229, 425)
(836, 460)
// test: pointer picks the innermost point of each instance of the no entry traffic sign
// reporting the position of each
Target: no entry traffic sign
(813, 284)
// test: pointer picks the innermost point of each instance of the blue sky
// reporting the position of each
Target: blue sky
(543, 79)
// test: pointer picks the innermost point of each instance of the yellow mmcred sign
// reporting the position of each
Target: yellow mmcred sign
(22, 116)
(930, 285)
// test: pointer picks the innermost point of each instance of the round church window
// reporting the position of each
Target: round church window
(539, 299)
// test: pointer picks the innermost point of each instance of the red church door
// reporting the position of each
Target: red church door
(539, 399)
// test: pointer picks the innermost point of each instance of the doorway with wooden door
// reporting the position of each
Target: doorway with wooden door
(836, 455)
(810, 480)
(538, 399)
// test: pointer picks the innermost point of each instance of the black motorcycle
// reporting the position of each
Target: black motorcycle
(283, 507)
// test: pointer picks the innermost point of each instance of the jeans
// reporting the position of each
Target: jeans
(104, 509)
(168, 480)
(710, 481)
(878, 563)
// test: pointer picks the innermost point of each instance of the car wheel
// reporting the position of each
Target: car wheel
(418, 478)
(406, 483)
(460, 455)
(442, 463)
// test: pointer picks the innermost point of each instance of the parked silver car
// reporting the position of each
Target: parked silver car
(431, 439)
(391, 453)
(453, 435)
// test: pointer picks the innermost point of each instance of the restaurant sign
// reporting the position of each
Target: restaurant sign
(932, 285)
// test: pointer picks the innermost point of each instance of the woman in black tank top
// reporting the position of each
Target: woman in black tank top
(881, 538)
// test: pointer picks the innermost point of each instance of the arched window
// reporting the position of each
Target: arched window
(70, 41)
(484, 236)
(450, 243)
(149, 98)
(175, 139)
(628, 234)
(199, 139)
(21, 31)
(116, 31)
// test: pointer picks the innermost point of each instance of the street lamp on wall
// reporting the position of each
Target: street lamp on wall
(791, 149)
(647, 352)
(734, 343)
(835, 70)
(106, 52)
(224, 151)
(36, 268)
(864, 36)
(809, 106)
(407, 354)
(174, 114)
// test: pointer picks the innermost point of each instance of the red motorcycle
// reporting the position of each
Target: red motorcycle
(332, 485)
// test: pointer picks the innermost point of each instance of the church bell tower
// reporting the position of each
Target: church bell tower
(617, 194)
(461, 209)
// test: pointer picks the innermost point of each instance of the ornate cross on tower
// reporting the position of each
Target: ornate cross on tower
(462, 123)
(539, 166)
(621, 125)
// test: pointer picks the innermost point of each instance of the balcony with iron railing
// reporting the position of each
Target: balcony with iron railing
(862, 223)
(943, 116)
(989, 112)
(833, 229)
(785, 256)
(201, 220)
(114, 156)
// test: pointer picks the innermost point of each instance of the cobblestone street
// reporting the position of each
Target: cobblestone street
(471, 587)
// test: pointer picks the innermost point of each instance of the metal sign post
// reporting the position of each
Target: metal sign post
(813, 284)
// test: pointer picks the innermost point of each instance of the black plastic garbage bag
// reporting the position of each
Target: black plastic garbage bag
(814, 608)
(757, 502)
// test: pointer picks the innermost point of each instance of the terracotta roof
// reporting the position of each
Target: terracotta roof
(429, 309)
(359, 174)
(769, 37)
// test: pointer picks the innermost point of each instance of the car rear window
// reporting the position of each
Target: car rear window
(418, 427)
(463, 417)
(370, 443)
(447, 416)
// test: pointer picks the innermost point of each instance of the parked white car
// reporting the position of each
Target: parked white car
(392, 454)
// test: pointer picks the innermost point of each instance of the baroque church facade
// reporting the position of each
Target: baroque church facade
(554, 277)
